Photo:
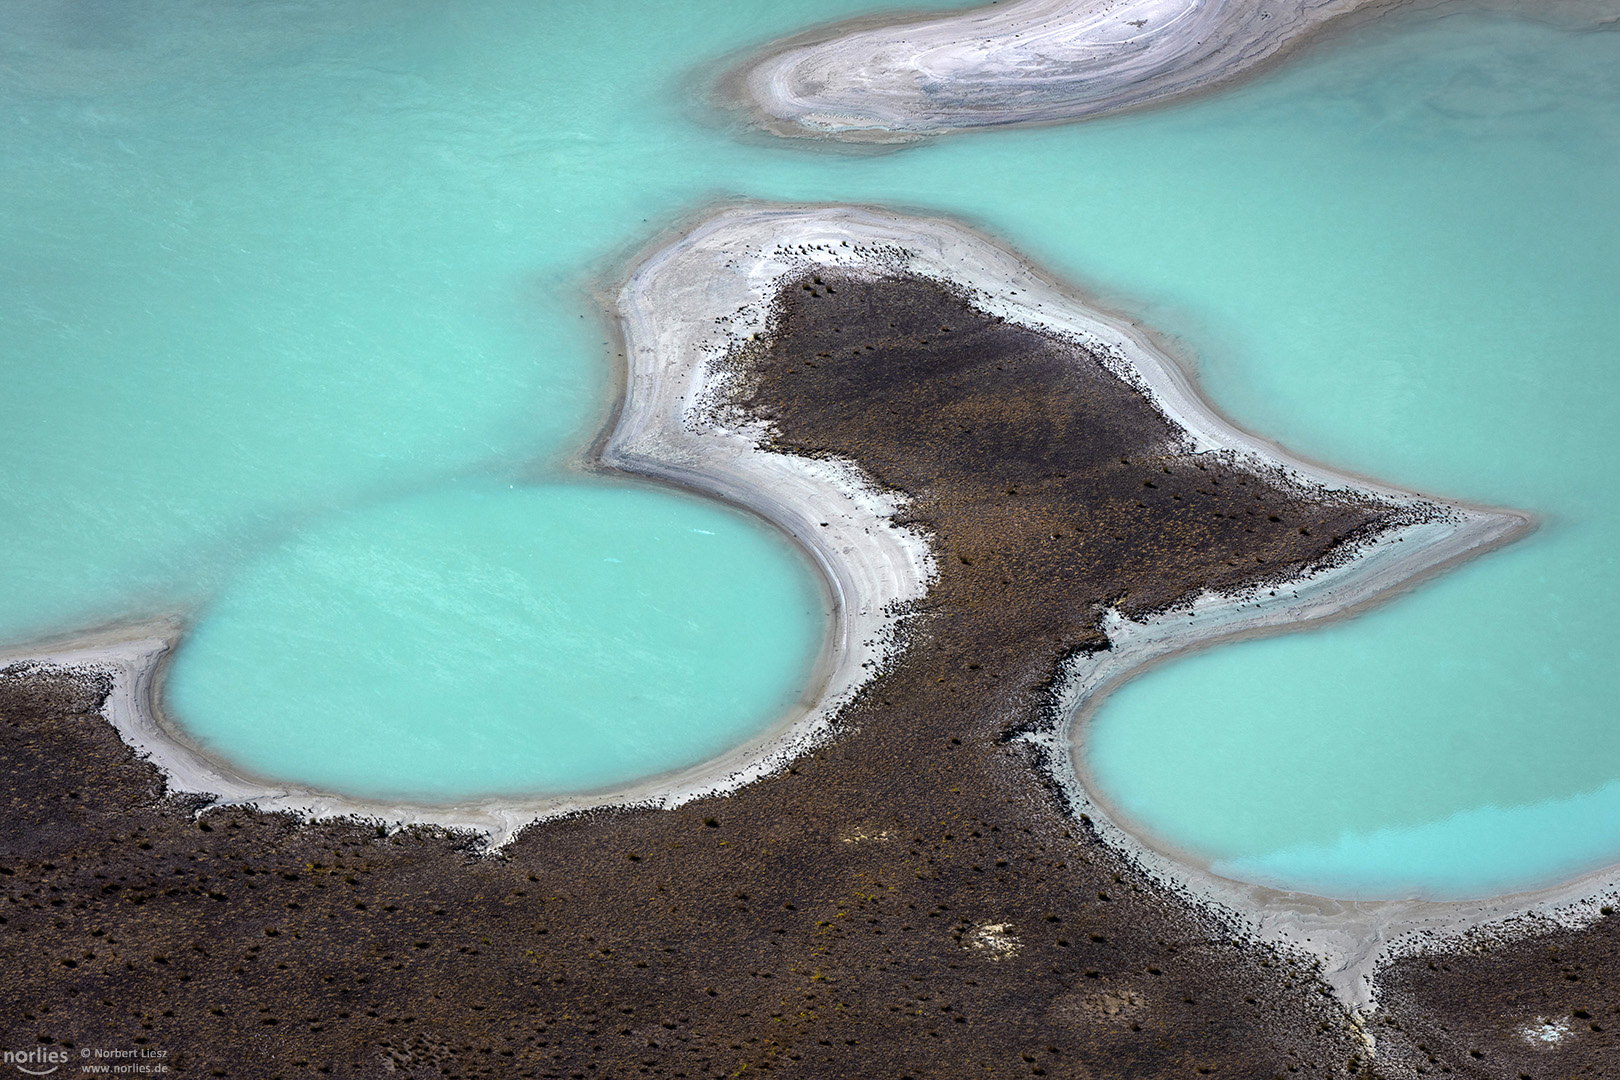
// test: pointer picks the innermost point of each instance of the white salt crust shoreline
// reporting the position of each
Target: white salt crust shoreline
(685, 307)
(133, 659)
(1047, 61)
(711, 291)
(870, 569)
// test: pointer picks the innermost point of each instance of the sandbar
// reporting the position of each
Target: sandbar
(1046, 61)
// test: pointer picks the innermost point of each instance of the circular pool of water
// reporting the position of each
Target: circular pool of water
(485, 640)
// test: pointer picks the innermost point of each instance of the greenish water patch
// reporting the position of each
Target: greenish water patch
(1422, 297)
(265, 260)
(491, 640)
(271, 263)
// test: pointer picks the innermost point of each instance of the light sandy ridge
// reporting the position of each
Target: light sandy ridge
(693, 302)
(1042, 61)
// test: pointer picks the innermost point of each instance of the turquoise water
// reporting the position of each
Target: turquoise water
(1433, 306)
(494, 639)
(280, 276)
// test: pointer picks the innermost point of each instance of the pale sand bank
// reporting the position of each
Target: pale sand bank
(1045, 61)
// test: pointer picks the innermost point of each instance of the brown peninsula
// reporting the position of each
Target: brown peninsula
(910, 896)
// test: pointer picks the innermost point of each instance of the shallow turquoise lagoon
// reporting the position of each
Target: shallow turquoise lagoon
(286, 281)
(482, 640)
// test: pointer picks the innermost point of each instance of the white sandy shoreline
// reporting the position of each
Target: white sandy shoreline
(133, 662)
(686, 306)
(1047, 61)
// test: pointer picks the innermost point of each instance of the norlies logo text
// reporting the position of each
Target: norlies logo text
(40, 1061)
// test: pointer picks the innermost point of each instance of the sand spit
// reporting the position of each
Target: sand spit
(913, 896)
(1044, 61)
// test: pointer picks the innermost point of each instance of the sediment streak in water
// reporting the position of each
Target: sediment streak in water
(1017, 63)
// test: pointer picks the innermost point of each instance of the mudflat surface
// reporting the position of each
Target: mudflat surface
(911, 900)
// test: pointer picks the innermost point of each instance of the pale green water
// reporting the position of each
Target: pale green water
(493, 639)
(1427, 298)
(278, 274)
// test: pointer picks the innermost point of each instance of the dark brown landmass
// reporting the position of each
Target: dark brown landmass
(1475, 1010)
(913, 900)
(1052, 488)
